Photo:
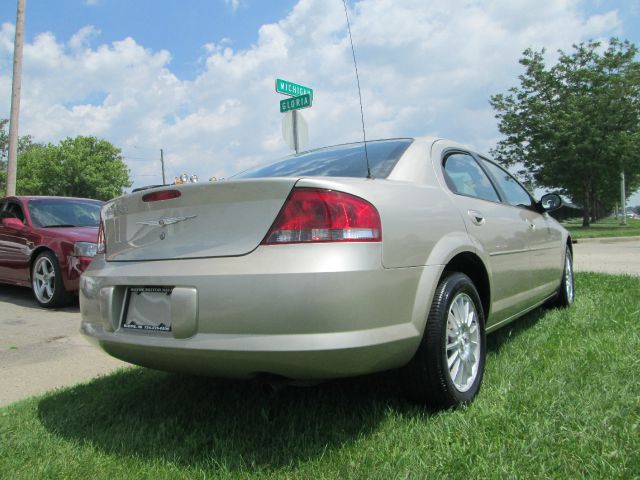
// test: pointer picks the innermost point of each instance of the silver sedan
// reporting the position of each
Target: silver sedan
(336, 262)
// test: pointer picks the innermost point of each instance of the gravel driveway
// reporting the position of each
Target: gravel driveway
(41, 349)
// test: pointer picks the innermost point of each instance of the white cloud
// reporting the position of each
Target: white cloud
(82, 38)
(425, 68)
(234, 4)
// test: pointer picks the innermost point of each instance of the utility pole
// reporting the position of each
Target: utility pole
(162, 162)
(15, 100)
(623, 202)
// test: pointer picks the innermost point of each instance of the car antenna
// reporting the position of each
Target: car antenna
(364, 135)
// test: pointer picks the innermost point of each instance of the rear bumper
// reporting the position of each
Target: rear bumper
(301, 357)
(298, 311)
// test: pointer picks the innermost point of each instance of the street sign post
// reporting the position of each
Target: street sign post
(294, 128)
(295, 103)
(292, 89)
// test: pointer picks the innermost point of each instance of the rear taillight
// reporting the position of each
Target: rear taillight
(101, 248)
(315, 215)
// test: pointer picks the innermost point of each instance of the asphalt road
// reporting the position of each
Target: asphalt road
(608, 255)
(42, 349)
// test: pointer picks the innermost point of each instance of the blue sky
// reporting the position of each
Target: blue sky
(196, 77)
(181, 27)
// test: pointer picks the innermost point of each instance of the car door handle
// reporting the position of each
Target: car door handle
(476, 217)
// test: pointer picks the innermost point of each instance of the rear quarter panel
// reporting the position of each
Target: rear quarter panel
(420, 225)
(421, 229)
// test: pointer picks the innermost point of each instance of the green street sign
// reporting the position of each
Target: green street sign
(295, 103)
(292, 89)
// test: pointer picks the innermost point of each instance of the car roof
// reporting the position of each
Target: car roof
(428, 139)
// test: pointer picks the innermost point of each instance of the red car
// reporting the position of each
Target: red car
(46, 243)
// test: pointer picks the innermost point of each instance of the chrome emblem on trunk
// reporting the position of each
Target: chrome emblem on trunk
(161, 222)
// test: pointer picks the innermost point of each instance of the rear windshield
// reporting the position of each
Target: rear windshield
(339, 161)
(55, 212)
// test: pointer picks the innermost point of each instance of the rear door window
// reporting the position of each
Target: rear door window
(465, 177)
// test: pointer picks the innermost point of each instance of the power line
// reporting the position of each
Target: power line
(127, 157)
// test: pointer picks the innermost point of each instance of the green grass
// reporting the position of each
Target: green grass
(561, 399)
(607, 227)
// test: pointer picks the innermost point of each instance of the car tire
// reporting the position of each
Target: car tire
(447, 369)
(46, 282)
(566, 292)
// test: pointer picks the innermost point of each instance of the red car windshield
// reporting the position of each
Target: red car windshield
(56, 212)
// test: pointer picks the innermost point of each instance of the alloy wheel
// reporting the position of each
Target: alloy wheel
(44, 279)
(463, 342)
(568, 277)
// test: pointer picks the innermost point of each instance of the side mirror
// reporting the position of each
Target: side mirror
(12, 222)
(550, 202)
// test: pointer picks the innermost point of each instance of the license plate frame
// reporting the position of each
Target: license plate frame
(147, 309)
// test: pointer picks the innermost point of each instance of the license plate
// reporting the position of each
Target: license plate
(147, 309)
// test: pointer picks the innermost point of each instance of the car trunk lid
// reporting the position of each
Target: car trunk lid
(216, 219)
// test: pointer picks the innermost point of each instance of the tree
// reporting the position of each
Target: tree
(76, 167)
(24, 143)
(575, 126)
